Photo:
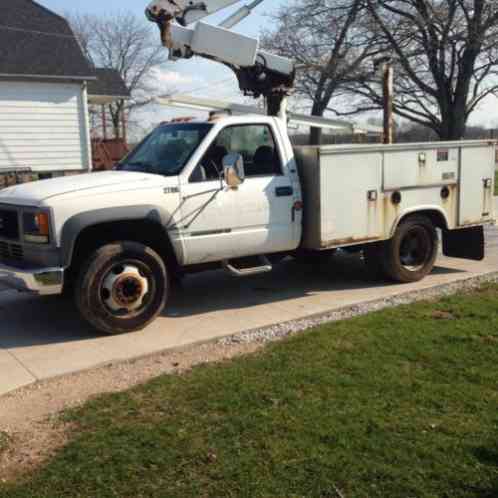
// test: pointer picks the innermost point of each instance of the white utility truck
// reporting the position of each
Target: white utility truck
(232, 192)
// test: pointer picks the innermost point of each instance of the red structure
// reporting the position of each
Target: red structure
(107, 89)
(106, 153)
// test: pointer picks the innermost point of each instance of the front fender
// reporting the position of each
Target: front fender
(76, 224)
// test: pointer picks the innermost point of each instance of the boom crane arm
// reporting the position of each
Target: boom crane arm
(259, 73)
(186, 12)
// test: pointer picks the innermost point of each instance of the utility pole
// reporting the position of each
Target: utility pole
(387, 71)
(124, 122)
(388, 90)
(104, 122)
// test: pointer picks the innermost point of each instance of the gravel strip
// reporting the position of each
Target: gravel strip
(275, 332)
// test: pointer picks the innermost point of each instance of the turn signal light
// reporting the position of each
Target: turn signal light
(42, 223)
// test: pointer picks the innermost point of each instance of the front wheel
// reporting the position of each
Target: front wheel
(122, 287)
(411, 254)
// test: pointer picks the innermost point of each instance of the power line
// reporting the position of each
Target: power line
(206, 86)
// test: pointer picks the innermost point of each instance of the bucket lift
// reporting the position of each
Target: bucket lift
(259, 73)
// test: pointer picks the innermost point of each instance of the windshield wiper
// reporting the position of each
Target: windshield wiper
(142, 166)
(135, 164)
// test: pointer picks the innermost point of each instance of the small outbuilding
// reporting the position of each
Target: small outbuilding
(46, 85)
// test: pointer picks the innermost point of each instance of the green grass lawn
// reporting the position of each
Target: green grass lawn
(399, 403)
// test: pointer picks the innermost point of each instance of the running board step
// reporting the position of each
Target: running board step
(264, 267)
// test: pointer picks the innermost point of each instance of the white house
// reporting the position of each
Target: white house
(44, 76)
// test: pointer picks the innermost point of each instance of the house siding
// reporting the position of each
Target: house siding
(43, 127)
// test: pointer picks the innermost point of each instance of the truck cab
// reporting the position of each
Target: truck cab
(215, 221)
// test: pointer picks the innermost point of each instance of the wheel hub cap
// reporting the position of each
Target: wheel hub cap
(124, 288)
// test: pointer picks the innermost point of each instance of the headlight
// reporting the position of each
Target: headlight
(36, 227)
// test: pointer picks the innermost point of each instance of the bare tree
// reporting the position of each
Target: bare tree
(446, 56)
(330, 43)
(128, 44)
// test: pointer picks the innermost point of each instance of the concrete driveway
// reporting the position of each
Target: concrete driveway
(44, 337)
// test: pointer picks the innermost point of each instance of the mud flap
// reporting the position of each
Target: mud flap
(466, 243)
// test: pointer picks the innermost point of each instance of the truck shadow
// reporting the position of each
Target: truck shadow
(29, 320)
(36, 321)
(289, 280)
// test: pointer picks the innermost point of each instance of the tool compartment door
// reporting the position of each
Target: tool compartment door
(348, 215)
(477, 165)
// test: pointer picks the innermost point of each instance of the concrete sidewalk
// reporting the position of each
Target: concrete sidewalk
(44, 337)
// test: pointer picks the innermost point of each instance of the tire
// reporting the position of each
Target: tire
(122, 287)
(411, 254)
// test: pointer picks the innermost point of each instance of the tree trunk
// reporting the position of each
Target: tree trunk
(116, 125)
(117, 131)
(453, 125)
(316, 133)
(115, 112)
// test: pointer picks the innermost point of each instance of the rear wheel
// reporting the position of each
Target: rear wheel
(411, 254)
(122, 287)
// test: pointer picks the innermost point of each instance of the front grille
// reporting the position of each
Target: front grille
(11, 252)
(9, 224)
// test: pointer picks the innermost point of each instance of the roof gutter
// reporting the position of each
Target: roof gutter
(47, 77)
(115, 97)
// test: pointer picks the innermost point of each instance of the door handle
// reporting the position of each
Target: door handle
(284, 191)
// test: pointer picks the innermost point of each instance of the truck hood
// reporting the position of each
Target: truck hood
(38, 193)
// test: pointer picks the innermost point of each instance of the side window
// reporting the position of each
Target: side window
(256, 145)
(211, 166)
(254, 142)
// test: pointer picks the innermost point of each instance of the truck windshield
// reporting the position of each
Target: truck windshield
(166, 150)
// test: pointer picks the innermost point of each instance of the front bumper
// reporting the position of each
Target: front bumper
(43, 281)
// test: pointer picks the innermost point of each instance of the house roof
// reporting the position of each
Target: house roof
(108, 85)
(37, 43)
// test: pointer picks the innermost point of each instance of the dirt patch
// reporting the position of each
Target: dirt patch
(30, 446)
(489, 339)
(4, 441)
(30, 429)
(443, 315)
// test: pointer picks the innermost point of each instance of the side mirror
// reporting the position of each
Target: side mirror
(233, 169)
